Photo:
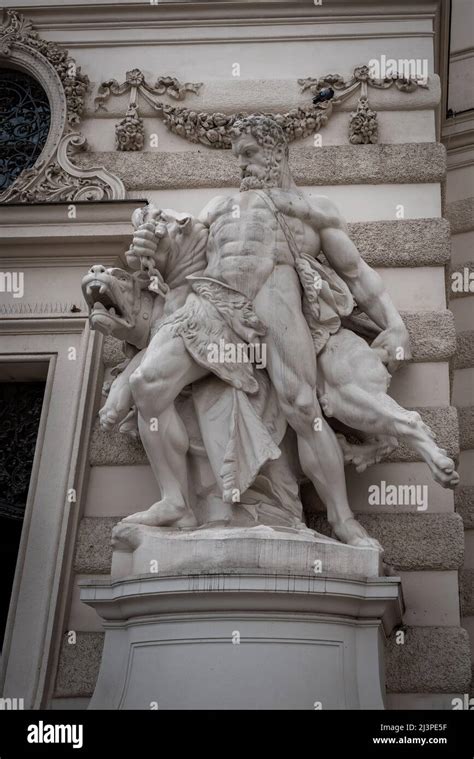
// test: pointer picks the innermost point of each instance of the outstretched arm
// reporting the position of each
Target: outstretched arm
(366, 286)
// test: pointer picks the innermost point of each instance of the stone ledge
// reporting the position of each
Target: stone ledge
(93, 548)
(403, 243)
(469, 265)
(466, 591)
(336, 165)
(411, 541)
(116, 449)
(431, 660)
(432, 335)
(78, 665)
(464, 503)
(460, 214)
(464, 358)
(466, 427)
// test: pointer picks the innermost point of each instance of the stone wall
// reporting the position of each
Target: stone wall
(391, 194)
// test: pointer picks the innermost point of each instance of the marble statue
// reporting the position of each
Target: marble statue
(259, 349)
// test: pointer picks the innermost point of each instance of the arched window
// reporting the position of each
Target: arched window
(24, 123)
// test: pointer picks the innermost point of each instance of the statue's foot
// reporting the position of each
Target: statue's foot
(443, 469)
(352, 533)
(165, 513)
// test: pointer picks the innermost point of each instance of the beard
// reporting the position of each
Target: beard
(260, 181)
(253, 182)
(260, 178)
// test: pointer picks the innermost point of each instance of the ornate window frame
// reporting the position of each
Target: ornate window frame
(53, 177)
(37, 66)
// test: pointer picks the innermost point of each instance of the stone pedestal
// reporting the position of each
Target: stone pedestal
(241, 619)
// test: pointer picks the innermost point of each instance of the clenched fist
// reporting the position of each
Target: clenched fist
(145, 242)
(393, 346)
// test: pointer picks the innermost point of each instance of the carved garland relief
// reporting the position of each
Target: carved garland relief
(213, 129)
(54, 176)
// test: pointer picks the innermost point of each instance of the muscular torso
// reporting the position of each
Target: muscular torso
(246, 240)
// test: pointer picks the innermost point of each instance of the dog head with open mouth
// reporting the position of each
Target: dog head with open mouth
(119, 303)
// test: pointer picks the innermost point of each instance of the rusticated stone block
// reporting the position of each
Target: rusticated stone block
(430, 660)
(333, 165)
(114, 448)
(464, 503)
(403, 243)
(464, 357)
(79, 664)
(93, 546)
(411, 541)
(432, 334)
(466, 427)
(466, 587)
(460, 214)
(112, 353)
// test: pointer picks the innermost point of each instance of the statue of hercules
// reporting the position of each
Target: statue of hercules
(255, 238)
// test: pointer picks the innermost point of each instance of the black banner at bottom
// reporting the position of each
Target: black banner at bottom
(356, 733)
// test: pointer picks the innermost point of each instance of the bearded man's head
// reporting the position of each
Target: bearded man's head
(261, 146)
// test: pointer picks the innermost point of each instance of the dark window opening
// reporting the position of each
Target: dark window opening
(20, 412)
(24, 123)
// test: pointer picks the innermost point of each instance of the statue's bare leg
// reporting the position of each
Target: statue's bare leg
(119, 400)
(291, 364)
(166, 369)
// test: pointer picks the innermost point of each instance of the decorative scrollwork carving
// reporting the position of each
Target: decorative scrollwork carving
(62, 180)
(17, 29)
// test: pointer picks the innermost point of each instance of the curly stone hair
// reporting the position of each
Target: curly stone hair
(263, 128)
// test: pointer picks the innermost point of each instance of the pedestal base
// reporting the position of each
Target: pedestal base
(246, 639)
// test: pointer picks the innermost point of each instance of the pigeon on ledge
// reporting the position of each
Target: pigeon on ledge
(325, 94)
